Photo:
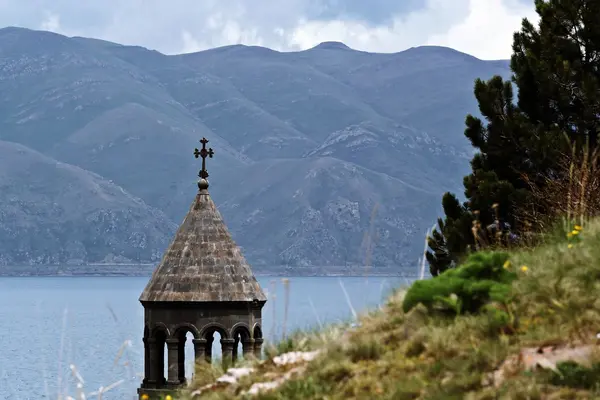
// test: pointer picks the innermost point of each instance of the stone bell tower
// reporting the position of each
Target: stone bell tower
(202, 285)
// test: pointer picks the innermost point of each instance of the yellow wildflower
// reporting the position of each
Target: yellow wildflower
(168, 397)
(578, 228)
(145, 396)
(524, 268)
(570, 245)
(506, 264)
(570, 234)
(574, 232)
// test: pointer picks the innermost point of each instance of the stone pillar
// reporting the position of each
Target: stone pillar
(151, 364)
(199, 350)
(150, 361)
(208, 349)
(181, 360)
(173, 361)
(227, 351)
(234, 356)
(258, 348)
(248, 348)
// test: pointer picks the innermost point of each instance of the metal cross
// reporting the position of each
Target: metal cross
(204, 152)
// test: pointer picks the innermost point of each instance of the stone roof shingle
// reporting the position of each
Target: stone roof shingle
(203, 263)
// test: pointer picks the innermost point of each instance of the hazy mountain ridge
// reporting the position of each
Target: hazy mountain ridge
(54, 213)
(307, 144)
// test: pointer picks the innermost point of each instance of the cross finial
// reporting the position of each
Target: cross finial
(204, 152)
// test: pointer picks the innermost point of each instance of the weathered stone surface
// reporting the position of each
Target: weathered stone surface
(203, 285)
(203, 263)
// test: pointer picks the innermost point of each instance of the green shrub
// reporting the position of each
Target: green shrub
(573, 375)
(466, 289)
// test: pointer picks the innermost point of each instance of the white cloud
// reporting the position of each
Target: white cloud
(51, 23)
(482, 28)
(190, 45)
(487, 31)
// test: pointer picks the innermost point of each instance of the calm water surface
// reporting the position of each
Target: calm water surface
(49, 323)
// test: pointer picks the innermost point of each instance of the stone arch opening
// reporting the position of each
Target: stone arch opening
(216, 343)
(242, 342)
(186, 338)
(258, 332)
(188, 354)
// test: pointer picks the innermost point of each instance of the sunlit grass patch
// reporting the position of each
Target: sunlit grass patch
(547, 299)
(426, 354)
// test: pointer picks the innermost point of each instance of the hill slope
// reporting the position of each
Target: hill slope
(57, 213)
(540, 342)
(133, 116)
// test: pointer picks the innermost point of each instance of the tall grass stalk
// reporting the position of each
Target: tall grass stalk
(60, 353)
(348, 300)
(286, 303)
(570, 193)
(43, 360)
(123, 350)
(104, 389)
(423, 259)
(273, 302)
(312, 305)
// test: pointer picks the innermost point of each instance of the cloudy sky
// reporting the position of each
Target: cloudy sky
(482, 28)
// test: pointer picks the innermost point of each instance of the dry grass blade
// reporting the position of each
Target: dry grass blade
(286, 303)
(354, 314)
(123, 351)
(76, 374)
(60, 353)
(120, 353)
(104, 389)
(314, 310)
(273, 303)
(577, 177)
(424, 258)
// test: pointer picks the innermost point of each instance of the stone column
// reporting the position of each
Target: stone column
(173, 361)
(150, 361)
(208, 349)
(181, 360)
(248, 348)
(234, 355)
(258, 348)
(199, 350)
(151, 364)
(227, 351)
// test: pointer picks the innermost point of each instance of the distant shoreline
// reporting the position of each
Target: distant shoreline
(145, 270)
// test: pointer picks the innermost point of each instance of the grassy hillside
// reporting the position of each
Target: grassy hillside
(517, 347)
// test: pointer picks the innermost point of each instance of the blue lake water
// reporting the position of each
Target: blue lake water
(49, 323)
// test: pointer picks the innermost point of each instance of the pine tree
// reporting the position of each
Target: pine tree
(556, 68)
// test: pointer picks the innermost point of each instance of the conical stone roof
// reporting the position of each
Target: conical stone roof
(203, 263)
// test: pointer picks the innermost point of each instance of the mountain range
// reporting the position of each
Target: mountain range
(324, 158)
